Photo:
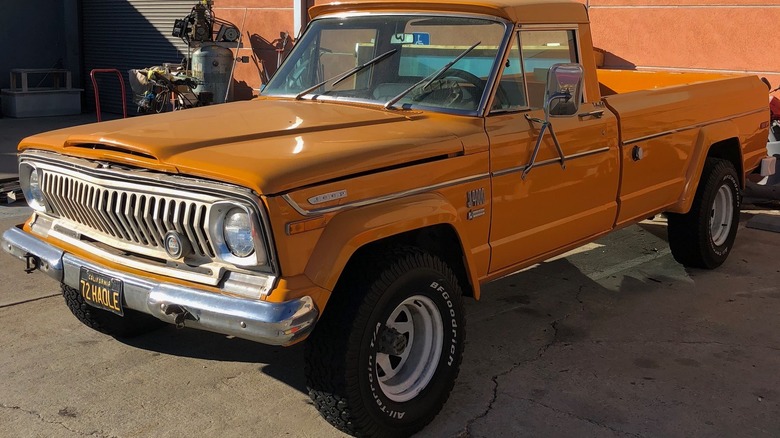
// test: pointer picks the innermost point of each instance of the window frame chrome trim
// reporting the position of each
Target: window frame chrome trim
(689, 127)
(482, 107)
(550, 161)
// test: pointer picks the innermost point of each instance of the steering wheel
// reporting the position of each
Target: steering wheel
(451, 85)
(445, 92)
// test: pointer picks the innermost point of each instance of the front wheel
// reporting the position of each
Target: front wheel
(384, 357)
(703, 237)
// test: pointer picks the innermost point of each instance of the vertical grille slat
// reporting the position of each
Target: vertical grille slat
(81, 202)
(188, 220)
(131, 209)
(157, 217)
(105, 207)
(93, 204)
(148, 217)
(111, 201)
(60, 190)
(202, 231)
(140, 219)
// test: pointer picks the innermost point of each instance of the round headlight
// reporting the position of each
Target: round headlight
(36, 193)
(237, 230)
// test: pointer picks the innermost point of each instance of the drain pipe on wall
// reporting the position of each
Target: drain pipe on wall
(235, 58)
(300, 16)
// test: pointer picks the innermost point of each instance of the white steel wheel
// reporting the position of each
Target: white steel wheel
(405, 373)
(721, 215)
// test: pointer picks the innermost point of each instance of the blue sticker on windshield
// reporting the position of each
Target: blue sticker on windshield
(422, 38)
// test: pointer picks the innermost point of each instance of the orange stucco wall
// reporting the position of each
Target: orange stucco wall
(261, 22)
(699, 35)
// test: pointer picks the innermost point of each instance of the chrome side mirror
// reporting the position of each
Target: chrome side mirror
(561, 98)
(564, 90)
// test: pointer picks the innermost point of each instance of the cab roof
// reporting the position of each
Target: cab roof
(517, 11)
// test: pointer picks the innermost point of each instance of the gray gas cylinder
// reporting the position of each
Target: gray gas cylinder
(211, 65)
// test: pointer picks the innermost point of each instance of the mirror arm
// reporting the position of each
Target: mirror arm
(546, 124)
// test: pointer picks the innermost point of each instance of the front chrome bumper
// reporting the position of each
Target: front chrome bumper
(261, 321)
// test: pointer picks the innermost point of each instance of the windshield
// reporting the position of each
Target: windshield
(395, 53)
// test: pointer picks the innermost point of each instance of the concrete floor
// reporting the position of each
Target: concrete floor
(616, 339)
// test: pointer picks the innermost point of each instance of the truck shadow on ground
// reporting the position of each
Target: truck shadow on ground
(284, 364)
(517, 332)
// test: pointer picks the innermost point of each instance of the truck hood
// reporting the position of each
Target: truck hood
(270, 146)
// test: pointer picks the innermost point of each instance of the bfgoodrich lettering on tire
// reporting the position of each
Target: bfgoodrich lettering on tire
(384, 357)
(703, 237)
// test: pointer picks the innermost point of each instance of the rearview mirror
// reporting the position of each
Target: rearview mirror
(564, 90)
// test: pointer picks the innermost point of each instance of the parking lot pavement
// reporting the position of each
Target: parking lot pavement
(615, 339)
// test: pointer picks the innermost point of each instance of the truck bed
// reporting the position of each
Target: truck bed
(648, 103)
(666, 121)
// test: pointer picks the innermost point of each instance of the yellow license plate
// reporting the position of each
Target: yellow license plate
(101, 291)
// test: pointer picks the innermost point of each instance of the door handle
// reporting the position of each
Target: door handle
(597, 114)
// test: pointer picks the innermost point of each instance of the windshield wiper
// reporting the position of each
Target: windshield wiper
(342, 76)
(430, 78)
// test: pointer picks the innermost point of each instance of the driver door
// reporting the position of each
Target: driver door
(553, 206)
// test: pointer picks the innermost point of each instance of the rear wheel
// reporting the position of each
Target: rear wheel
(384, 357)
(703, 237)
(133, 323)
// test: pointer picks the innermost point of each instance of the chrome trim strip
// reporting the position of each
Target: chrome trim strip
(383, 198)
(550, 161)
(562, 26)
(210, 275)
(686, 128)
(261, 321)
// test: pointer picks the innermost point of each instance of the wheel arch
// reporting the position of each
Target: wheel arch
(719, 140)
(427, 221)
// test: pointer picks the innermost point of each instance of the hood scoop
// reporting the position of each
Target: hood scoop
(110, 148)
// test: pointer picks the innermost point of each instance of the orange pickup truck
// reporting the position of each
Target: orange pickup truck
(404, 154)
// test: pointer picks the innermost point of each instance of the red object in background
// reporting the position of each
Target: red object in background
(774, 107)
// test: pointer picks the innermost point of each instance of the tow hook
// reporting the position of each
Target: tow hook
(180, 314)
(32, 263)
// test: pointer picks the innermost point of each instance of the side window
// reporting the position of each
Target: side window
(541, 49)
(510, 94)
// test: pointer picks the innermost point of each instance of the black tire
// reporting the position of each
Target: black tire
(695, 238)
(133, 323)
(344, 364)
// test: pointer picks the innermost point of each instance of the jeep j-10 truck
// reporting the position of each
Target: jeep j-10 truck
(404, 154)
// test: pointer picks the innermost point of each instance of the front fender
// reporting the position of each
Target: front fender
(351, 230)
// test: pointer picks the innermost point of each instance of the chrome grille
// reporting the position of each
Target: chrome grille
(136, 218)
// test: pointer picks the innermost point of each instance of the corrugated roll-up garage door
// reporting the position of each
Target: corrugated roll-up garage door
(125, 34)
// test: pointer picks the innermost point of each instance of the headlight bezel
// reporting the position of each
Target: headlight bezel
(36, 199)
(217, 216)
